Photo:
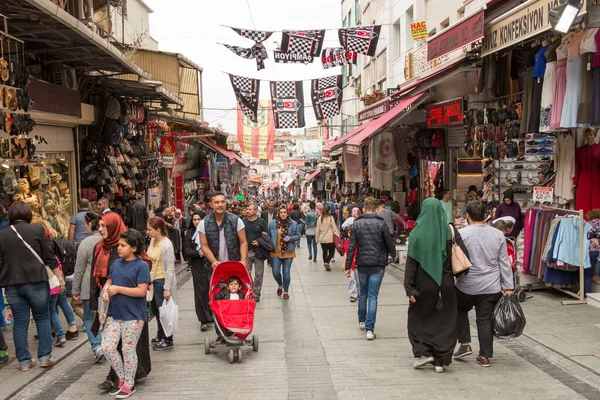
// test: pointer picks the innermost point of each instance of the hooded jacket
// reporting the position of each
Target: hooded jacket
(512, 210)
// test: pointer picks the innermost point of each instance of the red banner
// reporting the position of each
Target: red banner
(167, 145)
(460, 35)
(257, 139)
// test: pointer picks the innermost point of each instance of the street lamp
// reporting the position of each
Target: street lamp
(562, 17)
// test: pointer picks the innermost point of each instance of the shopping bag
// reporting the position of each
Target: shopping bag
(509, 319)
(339, 244)
(102, 312)
(169, 317)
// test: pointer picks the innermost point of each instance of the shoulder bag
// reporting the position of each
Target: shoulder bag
(52, 278)
(460, 261)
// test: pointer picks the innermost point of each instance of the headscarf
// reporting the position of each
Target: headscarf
(196, 237)
(355, 212)
(427, 243)
(285, 225)
(114, 227)
(177, 221)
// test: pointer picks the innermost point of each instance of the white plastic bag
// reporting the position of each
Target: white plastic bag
(102, 312)
(169, 317)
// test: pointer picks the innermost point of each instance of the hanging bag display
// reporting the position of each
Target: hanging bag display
(460, 261)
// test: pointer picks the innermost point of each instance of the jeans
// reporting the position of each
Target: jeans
(88, 320)
(300, 228)
(258, 274)
(157, 301)
(54, 318)
(328, 252)
(311, 242)
(369, 279)
(64, 305)
(353, 284)
(286, 265)
(484, 308)
(32, 297)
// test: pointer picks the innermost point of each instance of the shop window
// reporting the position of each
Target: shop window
(356, 12)
(43, 184)
(397, 40)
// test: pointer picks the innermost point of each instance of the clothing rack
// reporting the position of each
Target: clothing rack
(580, 296)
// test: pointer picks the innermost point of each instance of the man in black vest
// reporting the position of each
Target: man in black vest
(222, 234)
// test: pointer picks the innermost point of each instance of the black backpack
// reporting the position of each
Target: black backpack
(66, 251)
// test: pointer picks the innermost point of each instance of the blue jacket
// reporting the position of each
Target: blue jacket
(311, 219)
(292, 233)
(566, 247)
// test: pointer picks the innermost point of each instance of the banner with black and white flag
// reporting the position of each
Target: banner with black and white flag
(288, 104)
(257, 36)
(257, 51)
(303, 42)
(337, 56)
(246, 93)
(326, 96)
(360, 39)
(292, 58)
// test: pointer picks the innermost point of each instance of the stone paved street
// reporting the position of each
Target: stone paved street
(311, 348)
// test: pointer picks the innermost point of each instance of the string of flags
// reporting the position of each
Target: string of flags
(287, 98)
(304, 46)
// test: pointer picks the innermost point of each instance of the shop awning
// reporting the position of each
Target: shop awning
(145, 90)
(313, 175)
(399, 111)
(224, 152)
(339, 142)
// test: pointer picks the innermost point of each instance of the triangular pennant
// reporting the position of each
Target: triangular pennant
(360, 39)
(246, 93)
(326, 96)
(288, 104)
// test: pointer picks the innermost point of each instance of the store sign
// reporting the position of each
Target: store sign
(526, 22)
(168, 160)
(391, 91)
(445, 113)
(543, 194)
(418, 30)
(352, 149)
(460, 35)
(374, 111)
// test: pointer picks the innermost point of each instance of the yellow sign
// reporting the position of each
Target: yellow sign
(418, 30)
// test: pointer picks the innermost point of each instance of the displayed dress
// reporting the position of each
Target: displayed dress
(549, 87)
(595, 112)
(539, 69)
(588, 50)
(564, 165)
(568, 118)
(587, 173)
(561, 85)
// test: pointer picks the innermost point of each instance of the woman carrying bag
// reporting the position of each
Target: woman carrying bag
(284, 233)
(326, 229)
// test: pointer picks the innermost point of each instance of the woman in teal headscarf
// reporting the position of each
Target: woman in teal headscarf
(429, 284)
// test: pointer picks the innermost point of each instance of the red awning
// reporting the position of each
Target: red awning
(312, 175)
(339, 142)
(224, 152)
(376, 125)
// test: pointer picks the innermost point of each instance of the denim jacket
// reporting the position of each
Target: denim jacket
(292, 233)
(311, 219)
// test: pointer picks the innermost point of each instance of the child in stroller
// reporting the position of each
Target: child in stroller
(233, 291)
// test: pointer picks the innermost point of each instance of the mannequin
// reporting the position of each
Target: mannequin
(50, 209)
(53, 193)
(587, 170)
(31, 200)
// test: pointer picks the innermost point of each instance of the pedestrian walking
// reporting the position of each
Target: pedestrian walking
(429, 285)
(352, 279)
(200, 271)
(256, 228)
(297, 216)
(77, 229)
(284, 233)
(488, 279)
(311, 219)
(326, 228)
(81, 280)
(126, 289)
(372, 242)
(110, 227)
(164, 281)
(24, 251)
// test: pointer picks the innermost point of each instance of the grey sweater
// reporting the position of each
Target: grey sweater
(83, 266)
(491, 271)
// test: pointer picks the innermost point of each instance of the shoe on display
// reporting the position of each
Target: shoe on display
(533, 143)
(546, 142)
(518, 166)
(545, 150)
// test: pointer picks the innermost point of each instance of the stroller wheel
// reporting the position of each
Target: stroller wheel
(206, 345)
(231, 358)
(254, 342)
(239, 355)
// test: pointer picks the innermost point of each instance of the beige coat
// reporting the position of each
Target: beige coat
(326, 230)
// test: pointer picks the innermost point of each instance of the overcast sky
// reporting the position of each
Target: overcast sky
(193, 28)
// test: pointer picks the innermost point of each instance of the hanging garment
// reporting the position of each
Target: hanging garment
(539, 69)
(547, 96)
(527, 97)
(384, 162)
(587, 170)
(353, 166)
(595, 112)
(564, 165)
(561, 85)
(568, 242)
(570, 109)
(528, 239)
(587, 94)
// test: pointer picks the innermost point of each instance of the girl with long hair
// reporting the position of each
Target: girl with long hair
(326, 228)
(284, 233)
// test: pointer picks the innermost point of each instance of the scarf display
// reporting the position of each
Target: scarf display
(353, 166)
(246, 94)
(257, 52)
(114, 227)
(285, 225)
(427, 244)
(288, 104)
(384, 161)
(360, 39)
(326, 96)
(303, 42)
(337, 56)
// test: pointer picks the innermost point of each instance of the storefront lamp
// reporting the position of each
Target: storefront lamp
(562, 17)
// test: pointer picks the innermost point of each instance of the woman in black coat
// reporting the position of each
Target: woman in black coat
(200, 272)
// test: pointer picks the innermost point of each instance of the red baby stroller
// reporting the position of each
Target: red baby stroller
(234, 319)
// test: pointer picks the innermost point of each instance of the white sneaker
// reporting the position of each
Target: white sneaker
(439, 369)
(370, 335)
(361, 326)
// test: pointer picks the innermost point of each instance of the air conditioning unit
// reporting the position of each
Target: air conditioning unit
(66, 77)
